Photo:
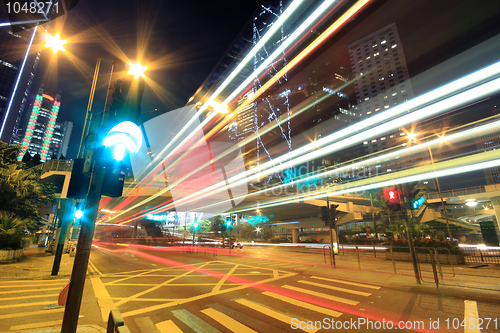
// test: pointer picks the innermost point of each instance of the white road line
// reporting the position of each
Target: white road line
(471, 317)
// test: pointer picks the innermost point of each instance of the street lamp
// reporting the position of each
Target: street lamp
(56, 44)
(442, 138)
(137, 70)
(98, 169)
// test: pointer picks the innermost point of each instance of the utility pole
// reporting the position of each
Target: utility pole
(329, 217)
(440, 195)
(409, 235)
(98, 168)
(62, 226)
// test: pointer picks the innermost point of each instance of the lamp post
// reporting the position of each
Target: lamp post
(98, 169)
(412, 137)
(439, 190)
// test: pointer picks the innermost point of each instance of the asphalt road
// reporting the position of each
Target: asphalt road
(261, 289)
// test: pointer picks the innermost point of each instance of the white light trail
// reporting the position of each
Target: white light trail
(329, 145)
(452, 139)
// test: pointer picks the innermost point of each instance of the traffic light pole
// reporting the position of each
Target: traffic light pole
(63, 224)
(332, 252)
(410, 239)
(77, 283)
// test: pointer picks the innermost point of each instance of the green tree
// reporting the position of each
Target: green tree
(20, 189)
(12, 231)
(216, 223)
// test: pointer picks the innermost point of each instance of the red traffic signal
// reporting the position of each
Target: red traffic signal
(391, 195)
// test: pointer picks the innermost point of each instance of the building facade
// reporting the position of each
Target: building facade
(41, 126)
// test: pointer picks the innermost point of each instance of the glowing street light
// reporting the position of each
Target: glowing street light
(137, 70)
(411, 136)
(55, 43)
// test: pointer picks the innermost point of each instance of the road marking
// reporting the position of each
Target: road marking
(270, 312)
(227, 321)
(172, 284)
(131, 298)
(168, 326)
(275, 273)
(198, 297)
(253, 323)
(346, 282)
(224, 278)
(302, 304)
(195, 323)
(36, 325)
(355, 292)
(103, 299)
(30, 285)
(94, 268)
(471, 313)
(32, 313)
(149, 299)
(31, 296)
(33, 281)
(314, 293)
(146, 325)
(28, 290)
(25, 304)
(137, 275)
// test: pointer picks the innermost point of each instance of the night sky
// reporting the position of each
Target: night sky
(181, 41)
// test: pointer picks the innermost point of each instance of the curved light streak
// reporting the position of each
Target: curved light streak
(472, 163)
(460, 99)
(336, 25)
(452, 138)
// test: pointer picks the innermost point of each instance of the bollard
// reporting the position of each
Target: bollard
(374, 251)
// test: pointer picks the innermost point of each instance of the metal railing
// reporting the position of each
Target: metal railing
(55, 165)
(454, 193)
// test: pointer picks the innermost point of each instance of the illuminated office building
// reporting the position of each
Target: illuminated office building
(41, 125)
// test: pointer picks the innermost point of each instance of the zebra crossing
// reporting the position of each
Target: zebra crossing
(270, 310)
(33, 301)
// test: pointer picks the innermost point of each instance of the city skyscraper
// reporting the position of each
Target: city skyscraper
(378, 64)
(14, 51)
(60, 139)
(41, 125)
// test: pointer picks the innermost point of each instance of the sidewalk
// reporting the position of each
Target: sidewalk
(470, 281)
(36, 264)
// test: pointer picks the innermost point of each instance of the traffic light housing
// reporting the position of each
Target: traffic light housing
(123, 135)
(415, 196)
(393, 200)
(333, 214)
(324, 214)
